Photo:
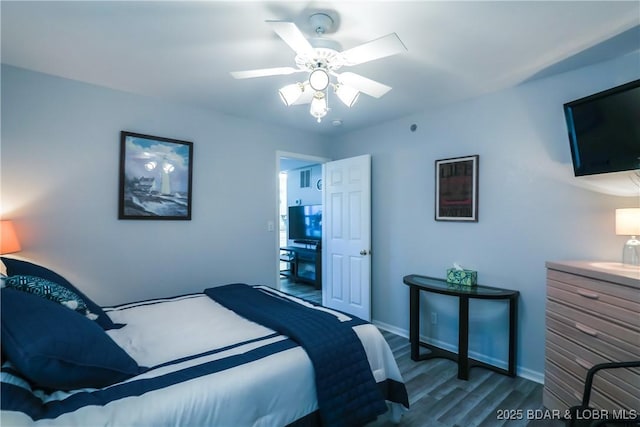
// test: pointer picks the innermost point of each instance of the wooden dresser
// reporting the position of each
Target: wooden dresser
(592, 316)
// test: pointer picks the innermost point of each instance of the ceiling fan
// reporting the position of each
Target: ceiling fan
(320, 60)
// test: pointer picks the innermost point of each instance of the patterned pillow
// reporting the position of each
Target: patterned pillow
(49, 290)
(17, 267)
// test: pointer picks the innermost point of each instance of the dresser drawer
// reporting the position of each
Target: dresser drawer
(551, 401)
(591, 330)
(595, 344)
(621, 385)
(600, 304)
(570, 389)
(561, 395)
(628, 296)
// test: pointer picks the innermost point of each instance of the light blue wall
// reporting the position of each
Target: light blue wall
(59, 177)
(531, 207)
(304, 196)
(59, 181)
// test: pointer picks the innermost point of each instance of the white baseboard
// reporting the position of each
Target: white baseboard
(525, 373)
(530, 374)
(390, 328)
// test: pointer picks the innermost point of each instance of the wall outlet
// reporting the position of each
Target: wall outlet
(434, 318)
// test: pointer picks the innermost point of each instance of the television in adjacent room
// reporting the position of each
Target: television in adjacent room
(604, 130)
(305, 223)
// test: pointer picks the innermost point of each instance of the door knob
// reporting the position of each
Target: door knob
(363, 252)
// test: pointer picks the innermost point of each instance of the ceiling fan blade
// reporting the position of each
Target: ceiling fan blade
(375, 49)
(291, 34)
(264, 72)
(363, 84)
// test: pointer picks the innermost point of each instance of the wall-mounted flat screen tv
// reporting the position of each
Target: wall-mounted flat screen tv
(305, 222)
(604, 130)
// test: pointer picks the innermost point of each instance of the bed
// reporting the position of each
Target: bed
(189, 360)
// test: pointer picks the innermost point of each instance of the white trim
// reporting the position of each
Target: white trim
(390, 328)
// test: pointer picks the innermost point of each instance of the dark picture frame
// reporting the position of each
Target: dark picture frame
(155, 177)
(457, 189)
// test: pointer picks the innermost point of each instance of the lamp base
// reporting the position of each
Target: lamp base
(631, 252)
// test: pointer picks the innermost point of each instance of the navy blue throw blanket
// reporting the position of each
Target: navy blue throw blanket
(347, 392)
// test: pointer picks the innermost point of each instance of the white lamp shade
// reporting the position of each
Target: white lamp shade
(628, 222)
(318, 105)
(291, 93)
(347, 94)
(318, 79)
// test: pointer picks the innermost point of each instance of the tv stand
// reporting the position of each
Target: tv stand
(307, 242)
(305, 263)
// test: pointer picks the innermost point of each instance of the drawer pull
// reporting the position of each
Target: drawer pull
(587, 294)
(587, 330)
(583, 363)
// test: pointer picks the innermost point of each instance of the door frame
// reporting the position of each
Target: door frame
(298, 156)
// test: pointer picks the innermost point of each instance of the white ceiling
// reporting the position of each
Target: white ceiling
(183, 51)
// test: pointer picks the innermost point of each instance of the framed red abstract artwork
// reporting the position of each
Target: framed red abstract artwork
(457, 189)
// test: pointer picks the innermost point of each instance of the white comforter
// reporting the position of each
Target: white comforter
(196, 336)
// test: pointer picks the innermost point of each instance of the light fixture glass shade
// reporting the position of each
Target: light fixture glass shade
(319, 79)
(347, 94)
(8, 238)
(291, 93)
(628, 224)
(318, 106)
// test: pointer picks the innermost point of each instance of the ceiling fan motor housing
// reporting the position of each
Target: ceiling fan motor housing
(319, 57)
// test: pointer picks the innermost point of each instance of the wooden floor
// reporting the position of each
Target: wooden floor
(438, 399)
(302, 290)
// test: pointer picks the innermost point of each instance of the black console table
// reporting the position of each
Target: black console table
(418, 283)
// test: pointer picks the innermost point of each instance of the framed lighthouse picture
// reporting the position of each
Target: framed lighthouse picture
(155, 177)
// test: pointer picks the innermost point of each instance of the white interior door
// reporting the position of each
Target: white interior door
(346, 231)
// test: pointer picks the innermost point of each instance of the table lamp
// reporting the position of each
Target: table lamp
(8, 239)
(628, 224)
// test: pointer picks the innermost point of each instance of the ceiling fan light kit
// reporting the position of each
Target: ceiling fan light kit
(347, 94)
(321, 61)
(319, 79)
(291, 93)
(319, 107)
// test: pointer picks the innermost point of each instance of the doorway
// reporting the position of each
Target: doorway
(299, 185)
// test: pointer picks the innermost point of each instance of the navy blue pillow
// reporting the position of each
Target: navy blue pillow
(16, 267)
(57, 348)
